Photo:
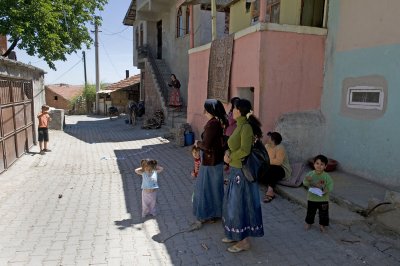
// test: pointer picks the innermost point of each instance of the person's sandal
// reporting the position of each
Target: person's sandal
(210, 221)
(236, 248)
(268, 198)
(195, 226)
(227, 240)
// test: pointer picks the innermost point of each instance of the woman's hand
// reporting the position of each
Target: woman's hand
(227, 158)
(195, 142)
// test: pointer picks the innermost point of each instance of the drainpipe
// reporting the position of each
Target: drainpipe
(214, 20)
(191, 27)
(263, 11)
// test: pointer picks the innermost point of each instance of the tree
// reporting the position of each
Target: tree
(86, 100)
(50, 29)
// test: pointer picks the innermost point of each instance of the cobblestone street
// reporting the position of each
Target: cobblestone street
(81, 205)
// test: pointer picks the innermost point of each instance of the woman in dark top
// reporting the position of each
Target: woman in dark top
(209, 187)
(174, 95)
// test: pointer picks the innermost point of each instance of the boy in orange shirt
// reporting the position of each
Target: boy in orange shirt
(43, 128)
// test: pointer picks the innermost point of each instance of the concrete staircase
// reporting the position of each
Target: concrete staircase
(174, 117)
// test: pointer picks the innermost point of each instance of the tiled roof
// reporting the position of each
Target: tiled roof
(65, 90)
(125, 83)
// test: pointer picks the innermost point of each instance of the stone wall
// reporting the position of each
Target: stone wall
(302, 134)
(57, 119)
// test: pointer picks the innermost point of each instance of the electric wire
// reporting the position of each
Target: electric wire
(109, 58)
(115, 33)
(67, 71)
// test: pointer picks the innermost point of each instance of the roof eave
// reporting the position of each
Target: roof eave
(130, 16)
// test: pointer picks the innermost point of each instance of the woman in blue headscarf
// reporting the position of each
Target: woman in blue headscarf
(209, 188)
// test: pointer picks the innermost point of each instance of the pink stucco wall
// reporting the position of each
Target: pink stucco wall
(292, 79)
(197, 90)
(285, 69)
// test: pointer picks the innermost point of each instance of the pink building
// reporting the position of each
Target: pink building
(278, 67)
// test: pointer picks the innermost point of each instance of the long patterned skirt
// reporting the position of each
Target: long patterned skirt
(174, 98)
(209, 192)
(242, 215)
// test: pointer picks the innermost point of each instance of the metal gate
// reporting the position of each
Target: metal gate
(16, 120)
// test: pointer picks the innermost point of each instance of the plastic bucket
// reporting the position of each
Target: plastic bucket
(189, 138)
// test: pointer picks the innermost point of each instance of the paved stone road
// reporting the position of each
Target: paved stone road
(80, 205)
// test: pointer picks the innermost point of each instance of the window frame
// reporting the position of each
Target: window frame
(187, 21)
(179, 24)
(365, 105)
(272, 5)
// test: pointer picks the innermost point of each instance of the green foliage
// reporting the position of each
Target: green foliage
(50, 29)
(89, 92)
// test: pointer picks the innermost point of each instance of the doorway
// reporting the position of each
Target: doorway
(246, 93)
(159, 39)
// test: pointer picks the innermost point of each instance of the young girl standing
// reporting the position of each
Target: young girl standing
(197, 161)
(149, 171)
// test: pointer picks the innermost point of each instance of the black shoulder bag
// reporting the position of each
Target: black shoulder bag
(256, 164)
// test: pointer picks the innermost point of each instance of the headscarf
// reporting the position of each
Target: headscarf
(216, 108)
(211, 105)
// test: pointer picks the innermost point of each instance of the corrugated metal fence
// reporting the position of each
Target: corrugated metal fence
(16, 120)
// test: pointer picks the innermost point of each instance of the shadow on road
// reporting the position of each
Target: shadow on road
(104, 129)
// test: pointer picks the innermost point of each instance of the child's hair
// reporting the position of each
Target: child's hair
(152, 164)
(195, 149)
(45, 106)
(322, 158)
(275, 137)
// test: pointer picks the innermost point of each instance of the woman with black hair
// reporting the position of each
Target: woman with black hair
(209, 187)
(232, 122)
(242, 216)
(175, 95)
(279, 168)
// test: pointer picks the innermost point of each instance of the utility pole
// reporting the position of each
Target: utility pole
(84, 65)
(213, 20)
(96, 46)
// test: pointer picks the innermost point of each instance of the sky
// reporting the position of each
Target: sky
(115, 52)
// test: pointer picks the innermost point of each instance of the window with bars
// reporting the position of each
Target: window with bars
(365, 97)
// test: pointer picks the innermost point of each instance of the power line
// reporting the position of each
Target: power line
(109, 58)
(67, 71)
(35, 62)
(118, 34)
(114, 33)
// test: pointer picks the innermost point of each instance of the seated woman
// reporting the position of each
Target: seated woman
(279, 168)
